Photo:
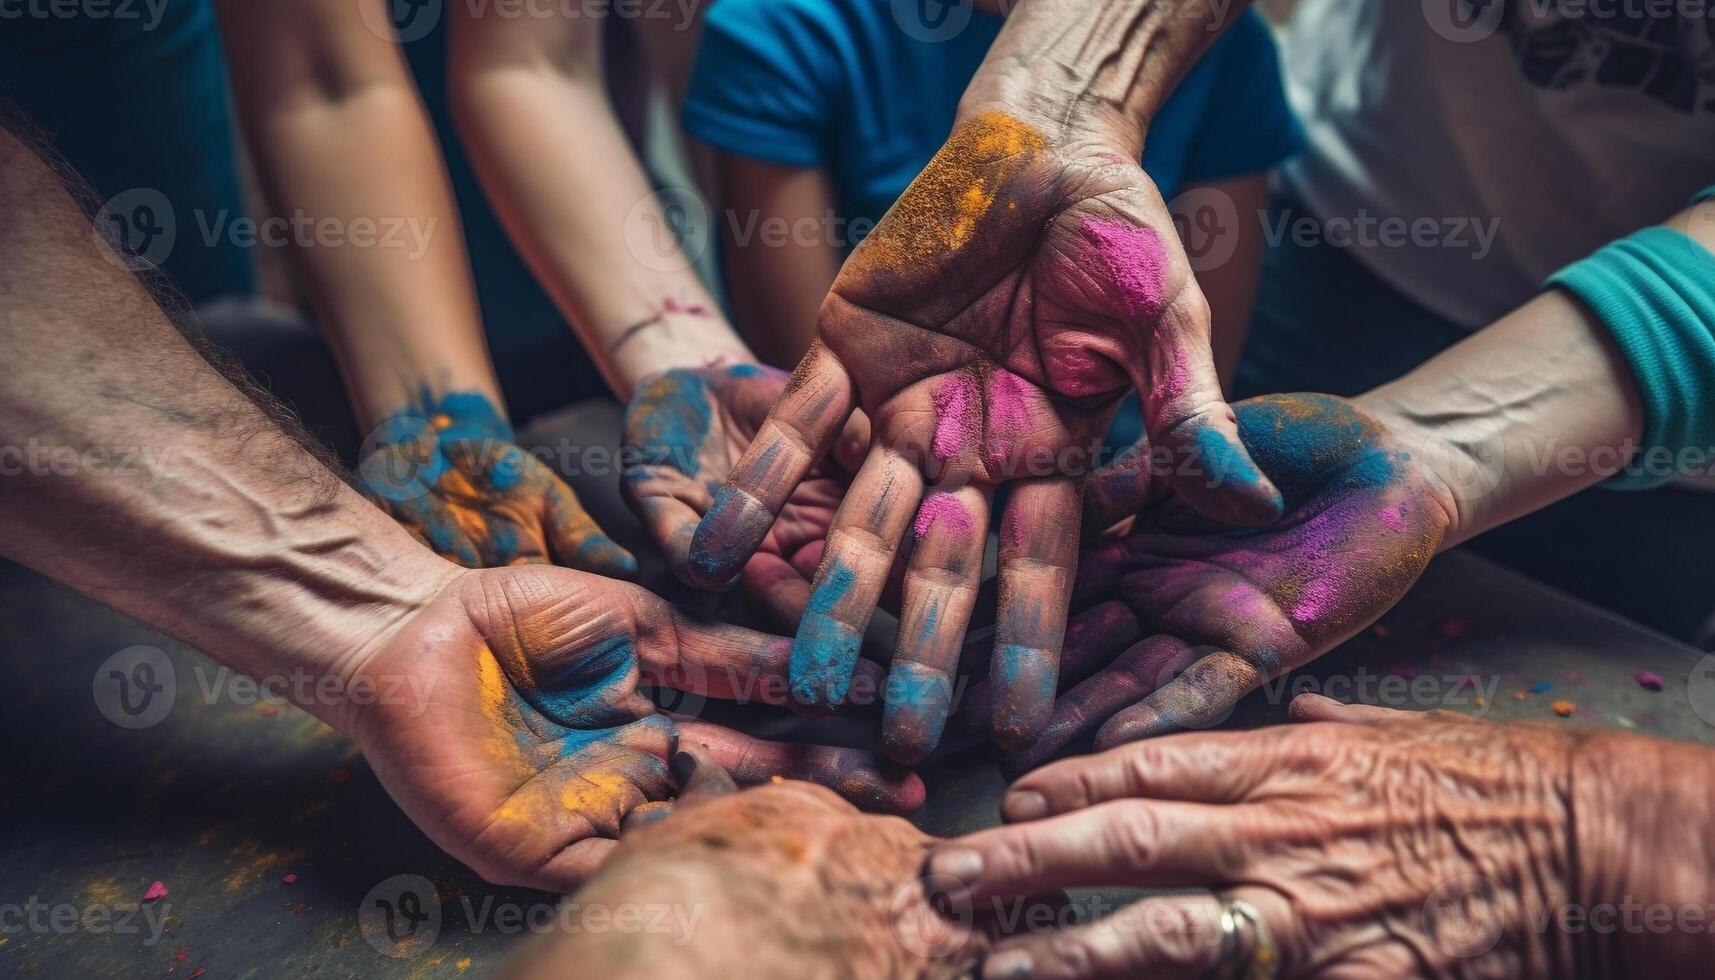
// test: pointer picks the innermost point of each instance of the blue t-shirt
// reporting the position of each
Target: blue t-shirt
(843, 85)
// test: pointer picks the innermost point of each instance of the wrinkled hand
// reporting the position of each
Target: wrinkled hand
(450, 471)
(1198, 613)
(1374, 843)
(512, 728)
(783, 881)
(684, 430)
(989, 327)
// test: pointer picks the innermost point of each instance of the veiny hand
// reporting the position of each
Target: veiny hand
(989, 327)
(1206, 612)
(450, 471)
(684, 430)
(1374, 843)
(512, 729)
(783, 881)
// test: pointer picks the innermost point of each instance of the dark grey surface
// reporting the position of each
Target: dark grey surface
(225, 797)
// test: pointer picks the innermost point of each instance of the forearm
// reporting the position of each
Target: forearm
(341, 139)
(562, 176)
(185, 506)
(1096, 69)
(1534, 408)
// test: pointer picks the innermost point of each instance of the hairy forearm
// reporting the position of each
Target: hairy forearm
(553, 159)
(156, 486)
(341, 139)
(1532, 409)
(1096, 69)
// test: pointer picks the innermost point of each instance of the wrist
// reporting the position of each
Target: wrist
(686, 337)
(1641, 859)
(1460, 472)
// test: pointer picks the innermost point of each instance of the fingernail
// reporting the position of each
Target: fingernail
(1010, 964)
(1023, 805)
(960, 865)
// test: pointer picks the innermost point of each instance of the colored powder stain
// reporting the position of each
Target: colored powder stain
(1393, 518)
(728, 532)
(290, 879)
(674, 306)
(745, 371)
(1649, 680)
(156, 892)
(182, 954)
(824, 654)
(1540, 687)
(931, 622)
(1221, 460)
(958, 419)
(1178, 379)
(586, 689)
(833, 588)
(1564, 708)
(677, 423)
(1015, 663)
(945, 510)
(1315, 600)
(1008, 414)
(596, 792)
(1136, 260)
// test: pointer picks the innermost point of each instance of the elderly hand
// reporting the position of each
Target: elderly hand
(989, 328)
(510, 724)
(684, 430)
(1206, 612)
(450, 470)
(1373, 843)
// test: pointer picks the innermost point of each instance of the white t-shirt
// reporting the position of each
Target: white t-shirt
(1471, 148)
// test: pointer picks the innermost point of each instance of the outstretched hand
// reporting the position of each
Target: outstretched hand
(525, 736)
(451, 471)
(1205, 612)
(989, 327)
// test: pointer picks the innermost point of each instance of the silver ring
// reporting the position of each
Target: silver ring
(1248, 951)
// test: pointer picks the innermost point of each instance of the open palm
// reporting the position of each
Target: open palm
(1218, 610)
(989, 327)
(510, 724)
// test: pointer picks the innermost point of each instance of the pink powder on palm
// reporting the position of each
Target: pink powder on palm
(1318, 596)
(1393, 518)
(1008, 415)
(943, 509)
(1136, 261)
(958, 419)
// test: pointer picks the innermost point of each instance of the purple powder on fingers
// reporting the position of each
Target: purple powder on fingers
(943, 509)
(957, 416)
(1393, 518)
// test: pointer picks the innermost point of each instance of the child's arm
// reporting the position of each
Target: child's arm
(529, 98)
(784, 245)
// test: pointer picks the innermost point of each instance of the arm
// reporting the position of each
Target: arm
(529, 98)
(777, 286)
(338, 131)
(1231, 283)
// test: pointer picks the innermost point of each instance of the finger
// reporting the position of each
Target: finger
(1317, 707)
(862, 542)
(1038, 559)
(852, 447)
(797, 433)
(716, 659)
(645, 814)
(698, 776)
(1119, 489)
(779, 588)
(941, 581)
(1174, 937)
(577, 541)
(572, 866)
(861, 777)
(1196, 767)
(1188, 417)
(1136, 843)
(1198, 698)
(667, 425)
(607, 779)
(1080, 711)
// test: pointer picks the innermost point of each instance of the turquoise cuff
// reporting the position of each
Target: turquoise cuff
(1655, 292)
(1704, 195)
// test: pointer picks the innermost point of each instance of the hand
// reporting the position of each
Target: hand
(686, 428)
(989, 327)
(1364, 516)
(451, 472)
(510, 724)
(781, 881)
(1373, 842)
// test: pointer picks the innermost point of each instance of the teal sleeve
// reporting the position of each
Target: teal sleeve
(1655, 292)
(1706, 194)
